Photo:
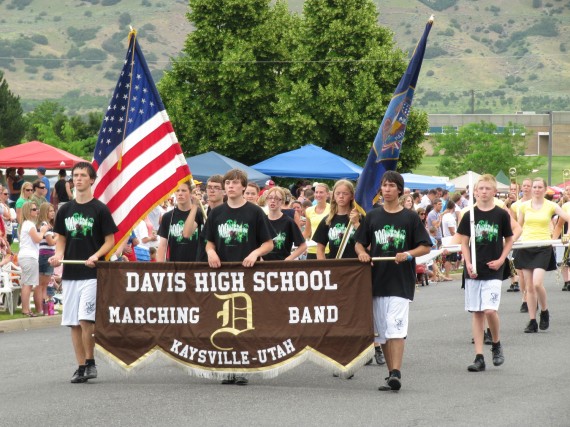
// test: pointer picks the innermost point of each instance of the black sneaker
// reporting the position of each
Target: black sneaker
(386, 386)
(565, 287)
(487, 337)
(524, 307)
(241, 380)
(516, 287)
(379, 356)
(544, 320)
(90, 372)
(394, 382)
(477, 366)
(498, 356)
(369, 361)
(230, 379)
(511, 288)
(531, 327)
(78, 377)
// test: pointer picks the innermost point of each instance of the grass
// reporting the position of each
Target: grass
(559, 163)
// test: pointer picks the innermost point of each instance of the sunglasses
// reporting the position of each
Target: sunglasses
(29, 189)
(5, 194)
(34, 209)
(42, 188)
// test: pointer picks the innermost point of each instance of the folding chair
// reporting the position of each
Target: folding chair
(10, 286)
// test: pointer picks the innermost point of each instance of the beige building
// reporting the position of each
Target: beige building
(538, 128)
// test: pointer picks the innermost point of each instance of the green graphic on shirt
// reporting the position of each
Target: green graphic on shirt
(176, 232)
(336, 234)
(279, 241)
(77, 225)
(232, 231)
(485, 232)
(390, 237)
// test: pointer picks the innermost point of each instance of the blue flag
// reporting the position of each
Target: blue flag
(385, 151)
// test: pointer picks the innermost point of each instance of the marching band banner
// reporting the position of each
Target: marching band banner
(262, 320)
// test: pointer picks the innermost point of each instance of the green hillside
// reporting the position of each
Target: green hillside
(505, 56)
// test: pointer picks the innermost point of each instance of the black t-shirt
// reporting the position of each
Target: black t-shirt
(333, 234)
(389, 234)
(236, 232)
(490, 228)
(61, 191)
(84, 226)
(287, 233)
(171, 226)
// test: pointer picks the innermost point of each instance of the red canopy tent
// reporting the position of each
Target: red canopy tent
(33, 154)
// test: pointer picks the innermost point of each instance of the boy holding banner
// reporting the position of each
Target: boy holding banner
(86, 232)
(237, 231)
(392, 231)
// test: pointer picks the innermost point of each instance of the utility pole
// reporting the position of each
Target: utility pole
(472, 101)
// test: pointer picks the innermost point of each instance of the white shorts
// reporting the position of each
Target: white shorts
(390, 318)
(482, 295)
(79, 301)
(30, 271)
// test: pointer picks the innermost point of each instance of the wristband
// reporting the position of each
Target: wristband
(410, 257)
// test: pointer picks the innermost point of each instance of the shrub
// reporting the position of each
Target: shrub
(40, 39)
(18, 4)
(124, 19)
(434, 52)
(81, 35)
(497, 28)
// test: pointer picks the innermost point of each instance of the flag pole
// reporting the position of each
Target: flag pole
(472, 225)
(385, 151)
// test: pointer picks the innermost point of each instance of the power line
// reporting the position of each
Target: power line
(296, 61)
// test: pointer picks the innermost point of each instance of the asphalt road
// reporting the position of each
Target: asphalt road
(531, 388)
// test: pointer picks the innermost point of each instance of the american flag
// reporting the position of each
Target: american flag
(385, 150)
(138, 159)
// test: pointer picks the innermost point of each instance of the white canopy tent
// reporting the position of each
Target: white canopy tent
(461, 182)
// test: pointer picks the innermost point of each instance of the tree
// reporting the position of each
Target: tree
(13, 126)
(78, 135)
(338, 93)
(219, 92)
(481, 148)
(255, 80)
(46, 112)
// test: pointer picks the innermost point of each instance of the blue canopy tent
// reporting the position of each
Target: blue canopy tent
(424, 182)
(203, 166)
(309, 161)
